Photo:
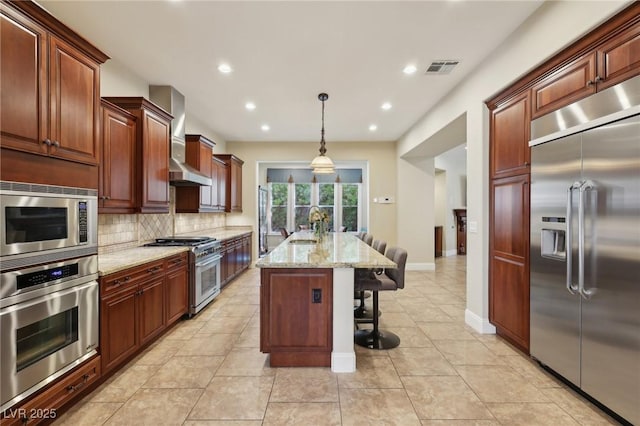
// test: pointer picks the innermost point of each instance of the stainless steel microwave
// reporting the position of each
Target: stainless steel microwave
(45, 223)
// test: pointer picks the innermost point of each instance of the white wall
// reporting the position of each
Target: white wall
(454, 162)
(118, 80)
(553, 26)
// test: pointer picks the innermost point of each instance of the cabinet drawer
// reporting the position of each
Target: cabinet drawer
(44, 407)
(130, 277)
(180, 260)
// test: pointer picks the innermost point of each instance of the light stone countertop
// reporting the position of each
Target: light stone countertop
(219, 234)
(125, 259)
(338, 250)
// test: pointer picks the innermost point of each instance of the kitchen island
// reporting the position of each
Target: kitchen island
(306, 299)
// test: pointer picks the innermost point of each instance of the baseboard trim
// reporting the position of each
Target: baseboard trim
(479, 324)
(343, 362)
(420, 267)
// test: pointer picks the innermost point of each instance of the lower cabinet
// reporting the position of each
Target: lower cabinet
(138, 304)
(296, 316)
(44, 407)
(236, 257)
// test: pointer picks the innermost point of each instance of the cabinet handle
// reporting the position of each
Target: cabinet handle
(589, 83)
(56, 144)
(526, 163)
(153, 270)
(47, 142)
(127, 278)
(599, 79)
(175, 262)
(73, 388)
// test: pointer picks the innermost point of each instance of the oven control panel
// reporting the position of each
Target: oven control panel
(41, 277)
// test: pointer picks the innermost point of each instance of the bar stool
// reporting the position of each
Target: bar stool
(368, 239)
(361, 311)
(284, 233)
(391, 279)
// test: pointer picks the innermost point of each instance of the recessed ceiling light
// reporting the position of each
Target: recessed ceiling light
(250, 106)
(386, 106)
(265, 127)
(410, 69)
(373, 127)
(225, 68)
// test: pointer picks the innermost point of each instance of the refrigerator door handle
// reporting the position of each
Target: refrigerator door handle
(571, 288)
(586, 185)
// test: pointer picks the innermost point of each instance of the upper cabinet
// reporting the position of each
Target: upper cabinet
(510, 129)
(615, 60)
(233, 184)
(194, 198)
(50, 83)
(152, 153)
(116, 193)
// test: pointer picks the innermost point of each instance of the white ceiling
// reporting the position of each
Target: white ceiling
(285, 53)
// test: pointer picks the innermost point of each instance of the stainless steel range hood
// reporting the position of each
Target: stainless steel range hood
(180, 173)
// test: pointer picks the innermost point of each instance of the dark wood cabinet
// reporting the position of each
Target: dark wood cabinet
(50, 103)
(50, 91)
(236, 257)
(607, 64)
(233, 182)
(117, 192)
(219, 187)
(177, 297)
(46, 405)
(152, 153)
(437, 246)
(461, 230)
(510, 130)
(296, 328)
(151, 304)
(118, 330)
(619, 58)
(509, 258)
(198, 199)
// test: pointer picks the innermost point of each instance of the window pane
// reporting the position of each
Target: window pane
(350, 206)
(303, 203)
(327, 191)
(279, 199)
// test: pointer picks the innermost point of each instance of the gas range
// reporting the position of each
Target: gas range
(204, 268)
(200, 246)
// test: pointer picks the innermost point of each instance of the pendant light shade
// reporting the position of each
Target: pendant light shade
(322, 164)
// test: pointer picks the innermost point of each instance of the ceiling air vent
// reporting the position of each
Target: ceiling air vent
(441, 66)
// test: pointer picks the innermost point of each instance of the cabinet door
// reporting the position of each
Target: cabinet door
(118, 330)
(151, 303)
(567, 85)
(510, 130)
(23, 83)
(155, 149)
(177, 294)
(74, 87)
(236, 187)
(619, 58)
(117, 163)
(222, 187)
(509, 258)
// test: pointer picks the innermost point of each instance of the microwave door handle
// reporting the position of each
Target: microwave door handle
(571, 288)
(587, 185)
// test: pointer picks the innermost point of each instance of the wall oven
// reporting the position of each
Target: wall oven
(45, 223)
(49, 323)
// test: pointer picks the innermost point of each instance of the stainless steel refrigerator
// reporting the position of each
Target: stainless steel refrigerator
(585, 246)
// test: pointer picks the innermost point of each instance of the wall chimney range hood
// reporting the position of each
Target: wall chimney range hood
(180, 173)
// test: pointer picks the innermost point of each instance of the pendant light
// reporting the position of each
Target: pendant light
(322, 164)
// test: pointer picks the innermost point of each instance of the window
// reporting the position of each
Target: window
(279, 205)
(290, 204)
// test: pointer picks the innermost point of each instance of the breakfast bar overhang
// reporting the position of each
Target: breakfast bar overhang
(306, 299)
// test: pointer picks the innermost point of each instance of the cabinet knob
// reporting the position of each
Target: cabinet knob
(589, 83)
(47, 142)
(599, 79)
(56, 144)
(526, 163)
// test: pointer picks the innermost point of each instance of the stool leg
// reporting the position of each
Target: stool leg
(376, 338)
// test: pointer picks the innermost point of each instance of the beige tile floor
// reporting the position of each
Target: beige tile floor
(209, 371)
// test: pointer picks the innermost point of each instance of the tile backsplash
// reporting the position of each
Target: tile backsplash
(122, 231)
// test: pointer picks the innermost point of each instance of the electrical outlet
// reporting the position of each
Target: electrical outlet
(316, 295)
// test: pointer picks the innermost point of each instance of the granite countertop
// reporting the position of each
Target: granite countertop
(338, 250)
(125, 259)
